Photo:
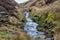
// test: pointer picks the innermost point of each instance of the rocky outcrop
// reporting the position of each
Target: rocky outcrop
(9, 13)
(12, 21)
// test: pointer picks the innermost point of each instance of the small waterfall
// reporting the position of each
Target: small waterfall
(30, 27)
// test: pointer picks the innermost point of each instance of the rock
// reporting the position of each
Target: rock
(42, 36)
(3, 14)
(10, 4)
(11, 21)
(8, 12)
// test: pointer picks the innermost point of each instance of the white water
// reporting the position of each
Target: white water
(30, 27)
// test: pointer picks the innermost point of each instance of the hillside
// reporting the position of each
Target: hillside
(11, 21)
(47, 14)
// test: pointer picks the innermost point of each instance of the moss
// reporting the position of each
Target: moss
(44, 19)
(50, 17)
(13, 34)
(4, 35)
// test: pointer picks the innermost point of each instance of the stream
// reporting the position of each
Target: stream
(30, 27)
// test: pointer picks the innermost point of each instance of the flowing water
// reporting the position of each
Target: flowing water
(30, 27)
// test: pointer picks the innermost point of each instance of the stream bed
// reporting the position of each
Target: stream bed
(31, 26)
